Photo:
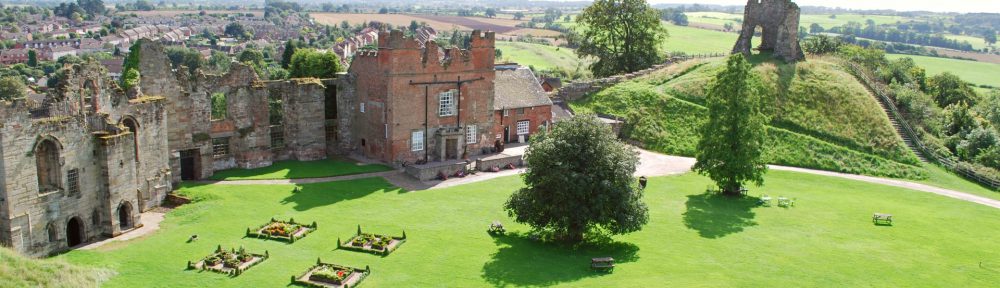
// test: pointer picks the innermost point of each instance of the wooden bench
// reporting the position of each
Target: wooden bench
(602, 263)
(497, 228)
(881, 218)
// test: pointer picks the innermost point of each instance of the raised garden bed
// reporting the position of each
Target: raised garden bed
(233, 262)
(372, 243)
(287, 231)
(331, 275)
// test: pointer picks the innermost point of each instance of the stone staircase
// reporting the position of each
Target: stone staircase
(899, 128)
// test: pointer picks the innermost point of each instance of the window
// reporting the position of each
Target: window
(53, 236)
(417, 140)
(277, 137)
(220, 147)
(520, 111)
(447, 103)
(73, 182)
(362, 107)
(47, 165)
(470, 134)
(522, 127)
(219, 106)
(506, 112)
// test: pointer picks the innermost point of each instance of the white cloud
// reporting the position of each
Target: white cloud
(963, 6)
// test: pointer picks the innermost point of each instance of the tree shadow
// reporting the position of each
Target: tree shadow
(715, 215)
(523, 261)
(328, 193)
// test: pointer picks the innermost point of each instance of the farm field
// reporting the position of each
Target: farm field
(719, 18)
(978, 43)
(826, 240)
(542, 57)
(692, 40)
(979, 73)
(715, 18)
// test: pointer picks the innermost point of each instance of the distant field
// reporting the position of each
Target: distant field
(542, 57)
(440, 23)
(715, 18)
(174, 13)
(979, 73)
(978, 43)
(692, 40)
(719, 18)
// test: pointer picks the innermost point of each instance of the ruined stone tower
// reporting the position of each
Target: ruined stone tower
(779, 20)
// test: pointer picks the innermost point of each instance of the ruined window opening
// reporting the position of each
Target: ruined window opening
(330, 103)
(220, 147)
(95, 218)
(219, 106)
(134, 128)
(47, 165)
(73, 182)
(416, 140)
(522, 127)
(446, 104)
(470, 134)
(277, 137)
(276, 110)
(53, 234)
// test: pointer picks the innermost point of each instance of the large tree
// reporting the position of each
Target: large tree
(730, 150)
(12, 87)
(286, 56)
(579, 177)
(311, 63)
(949, 89)
(624, 36)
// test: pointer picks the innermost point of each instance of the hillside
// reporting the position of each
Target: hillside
(821, 116)
(20, 271)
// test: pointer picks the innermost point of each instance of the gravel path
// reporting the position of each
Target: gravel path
(651, 164)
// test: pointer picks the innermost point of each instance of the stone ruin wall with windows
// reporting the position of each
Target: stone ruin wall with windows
(251, 134)
(80, 164)
(779, 22)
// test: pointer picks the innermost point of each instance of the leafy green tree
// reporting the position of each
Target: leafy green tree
(12, 87)
(518, 15)
(990, 36)
(730, 150)
(949, 89)
(219, 108)
(130, 79)
(286, 57)
(815, 28)
(219, 62)
(491, 13)
(624, 36)
(311, 63)
(32, 58)
(183, 56)
(579, 177)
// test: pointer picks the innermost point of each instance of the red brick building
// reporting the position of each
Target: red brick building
(522, 108)
(416, 101)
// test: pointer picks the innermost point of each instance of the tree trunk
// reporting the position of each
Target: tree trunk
(732, 189)
(574, 233)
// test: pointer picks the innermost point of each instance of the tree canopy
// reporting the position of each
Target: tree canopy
(624, 36)
(579, 177)
(731, 147)
(949, 89)
(12, 87)
(311, 63)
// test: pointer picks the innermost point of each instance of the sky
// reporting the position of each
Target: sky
(962, 6)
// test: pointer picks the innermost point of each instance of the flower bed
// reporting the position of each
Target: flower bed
(331, 275)
(372, 243)
(287, 231)
(233, 262)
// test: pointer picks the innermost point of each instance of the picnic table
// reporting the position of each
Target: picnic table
(882, 218)
(497, 228)
(785, 202)
(765, 200)
(602, 263)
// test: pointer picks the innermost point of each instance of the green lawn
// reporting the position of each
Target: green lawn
(979, 73)
(300, 170)
(542, 57)
(940, 177)
(692, 40)
(692, 239)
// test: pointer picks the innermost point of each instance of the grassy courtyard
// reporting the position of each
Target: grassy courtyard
(300, 170)
(692, 239)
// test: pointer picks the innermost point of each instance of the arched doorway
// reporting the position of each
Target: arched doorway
(74, 232)
(125, 216)
(133, 127)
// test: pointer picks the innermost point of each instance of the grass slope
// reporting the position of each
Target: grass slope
(692, 40)
(542, 57)
(979, 73)
(299, 170)
(821, 117)
(19, 271)
(692, 239)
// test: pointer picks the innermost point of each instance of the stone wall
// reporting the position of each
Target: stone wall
(779, 20)
(575, 90)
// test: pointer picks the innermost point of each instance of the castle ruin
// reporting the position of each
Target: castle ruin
(779, 20)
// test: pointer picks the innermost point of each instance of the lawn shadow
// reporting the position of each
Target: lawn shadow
(523, 261)
(328, 193)
(715, 215)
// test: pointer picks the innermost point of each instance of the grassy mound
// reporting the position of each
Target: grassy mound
(19, 271)
(821, 117)
(692, 239)
(299, 170)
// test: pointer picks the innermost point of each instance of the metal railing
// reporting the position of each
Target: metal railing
(882, 92)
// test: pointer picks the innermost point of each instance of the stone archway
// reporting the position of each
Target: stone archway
(125, 216)
(74, 232)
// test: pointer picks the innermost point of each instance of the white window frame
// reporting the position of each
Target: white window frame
(362, 107)
(506, 112)
(523, 127)
(446, 103)
(417, 140)
(470, 134)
